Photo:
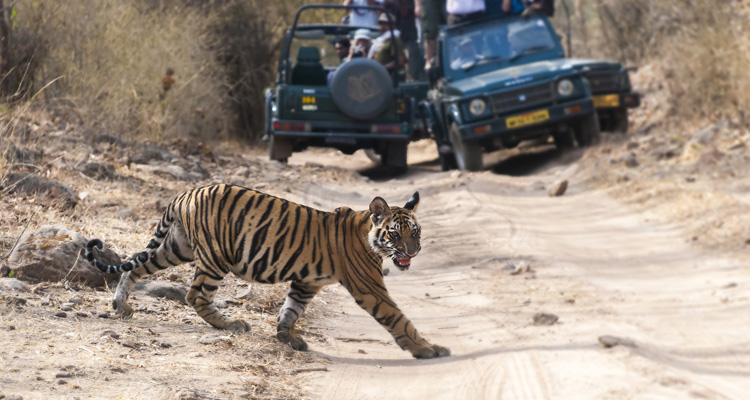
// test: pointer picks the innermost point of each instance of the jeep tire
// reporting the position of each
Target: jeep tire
(362, 88)
(468, 155)
(280, 148)
(587, 130)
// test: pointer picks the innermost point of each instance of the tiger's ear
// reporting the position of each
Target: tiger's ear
(380, 211)
(413, 202)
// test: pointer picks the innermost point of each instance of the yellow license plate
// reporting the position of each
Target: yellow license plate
(527, 119)
(608, 100)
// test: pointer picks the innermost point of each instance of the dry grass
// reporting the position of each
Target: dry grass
(111, 58)
(700, 45)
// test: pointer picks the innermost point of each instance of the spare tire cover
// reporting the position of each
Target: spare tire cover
(362, 88)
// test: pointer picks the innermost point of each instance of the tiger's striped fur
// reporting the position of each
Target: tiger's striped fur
(266, 239)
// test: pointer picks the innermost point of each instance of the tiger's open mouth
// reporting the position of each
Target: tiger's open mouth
(402, 263)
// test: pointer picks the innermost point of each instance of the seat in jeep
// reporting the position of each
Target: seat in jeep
(308, 70)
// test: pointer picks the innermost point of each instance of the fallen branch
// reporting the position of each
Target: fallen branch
(301, 370)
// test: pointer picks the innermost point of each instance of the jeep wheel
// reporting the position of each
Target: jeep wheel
(362, 88)
(619, 120)
(468, 154)
(395, 155)
(446, 158)
(587, 130)
(564, 140)
(373, 156)
(280, 148)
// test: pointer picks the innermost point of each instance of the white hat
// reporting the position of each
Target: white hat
(362, 34)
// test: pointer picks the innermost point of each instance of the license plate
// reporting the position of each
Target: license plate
(527, 119)
(608, 100)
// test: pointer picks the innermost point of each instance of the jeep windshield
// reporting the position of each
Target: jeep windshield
(478, 48)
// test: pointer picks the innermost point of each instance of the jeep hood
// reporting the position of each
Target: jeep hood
(507, 78)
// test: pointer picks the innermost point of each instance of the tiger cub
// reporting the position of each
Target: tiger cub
(266, 239)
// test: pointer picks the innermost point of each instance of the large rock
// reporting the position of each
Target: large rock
(49, 192)
(54, 253)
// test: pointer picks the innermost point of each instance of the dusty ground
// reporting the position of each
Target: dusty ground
(653, 252)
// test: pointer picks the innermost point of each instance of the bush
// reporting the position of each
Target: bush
(700, 46)
(112, 59)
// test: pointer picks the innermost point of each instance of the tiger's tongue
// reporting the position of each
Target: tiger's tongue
(404, 261)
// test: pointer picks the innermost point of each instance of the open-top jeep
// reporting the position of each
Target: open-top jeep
(320, 101)
(502, 80)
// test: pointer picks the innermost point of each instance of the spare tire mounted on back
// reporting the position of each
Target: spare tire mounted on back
(362, 88)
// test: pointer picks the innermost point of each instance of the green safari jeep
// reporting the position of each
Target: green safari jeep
(320, 101)
(502, 80)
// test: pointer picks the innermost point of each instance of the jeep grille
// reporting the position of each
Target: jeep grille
(603, 82)
(522, 98)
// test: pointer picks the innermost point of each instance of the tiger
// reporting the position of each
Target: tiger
(267, 239)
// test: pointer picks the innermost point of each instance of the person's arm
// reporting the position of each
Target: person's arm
(506, 6)
(347, 2)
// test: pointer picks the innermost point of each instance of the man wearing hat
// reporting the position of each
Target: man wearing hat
(382, 48)
(362, 43)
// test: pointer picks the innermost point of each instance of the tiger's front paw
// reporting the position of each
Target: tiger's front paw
(431, 351)
(295, 341)
(238, 326)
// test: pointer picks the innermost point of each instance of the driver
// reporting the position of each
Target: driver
(467, 53)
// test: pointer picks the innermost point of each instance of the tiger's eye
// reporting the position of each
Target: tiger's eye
(395, 235)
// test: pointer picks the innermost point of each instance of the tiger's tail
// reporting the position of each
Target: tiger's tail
(141, 258)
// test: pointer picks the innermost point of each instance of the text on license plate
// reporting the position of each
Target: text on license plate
(527, 119)
(609, 100)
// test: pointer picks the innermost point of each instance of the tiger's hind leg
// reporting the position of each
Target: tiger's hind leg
(201, 296)
(174, 250)
(297, 299)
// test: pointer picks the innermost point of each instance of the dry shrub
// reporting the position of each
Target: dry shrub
(700, 46)
(112, 57)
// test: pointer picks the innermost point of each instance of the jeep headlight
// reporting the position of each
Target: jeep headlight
(477, 107)
(565, 87)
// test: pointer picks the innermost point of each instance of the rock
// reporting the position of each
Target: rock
(520, 268)
(128, 344)
(126, 214)
(712, 156)
(63, 374)
(244, 294)
(558, 188)
(167, 290)
(14, 397)
(103, 315)
(147, 153)
(18, 301)
(66, 307)
(4, 269)
(49, 192)
(75, 300)
(611, 341)
(99, 172)
(109, 332)
(81, 314)
(213, 338)
(220, 303)
(54, 253)
(60, 314)
(543, 318)
(386, 271)
(13, 284)
(631, 161)
(706, 134)
(195, 394)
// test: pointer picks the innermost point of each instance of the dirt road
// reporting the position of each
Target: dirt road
(603, 268)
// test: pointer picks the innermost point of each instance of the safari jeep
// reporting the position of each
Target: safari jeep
(319, 101)
(503, 80)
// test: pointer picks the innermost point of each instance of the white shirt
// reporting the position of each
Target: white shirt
(363, 17)
(464, 6)
(380, 41)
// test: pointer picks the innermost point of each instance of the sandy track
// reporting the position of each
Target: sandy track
(601, 267)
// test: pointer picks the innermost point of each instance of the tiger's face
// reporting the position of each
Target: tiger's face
(395, 233)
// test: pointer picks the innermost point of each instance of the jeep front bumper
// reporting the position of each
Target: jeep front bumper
(527, 124)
